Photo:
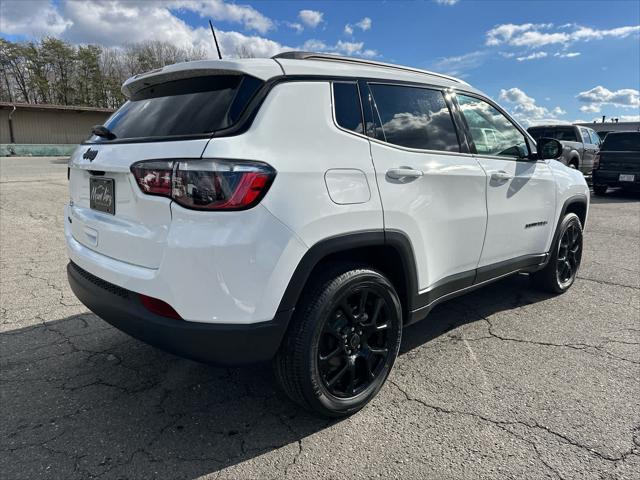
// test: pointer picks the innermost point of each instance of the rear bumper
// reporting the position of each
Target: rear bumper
(222, 344)
(611, 178)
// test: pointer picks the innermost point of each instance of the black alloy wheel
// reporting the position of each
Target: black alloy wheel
(565, 256)
(355, 343)
(569, 254)
(341, 342)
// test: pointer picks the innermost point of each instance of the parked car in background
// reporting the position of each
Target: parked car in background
(581, 144)
(618, 163)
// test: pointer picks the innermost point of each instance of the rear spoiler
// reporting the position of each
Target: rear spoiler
(262, 68)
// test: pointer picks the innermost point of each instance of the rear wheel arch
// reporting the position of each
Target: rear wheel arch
(388, 252)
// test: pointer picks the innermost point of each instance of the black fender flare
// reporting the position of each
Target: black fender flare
(352, 241)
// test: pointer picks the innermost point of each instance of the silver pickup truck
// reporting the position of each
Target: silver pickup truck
(581, 144)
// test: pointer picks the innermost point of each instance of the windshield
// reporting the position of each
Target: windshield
(192, 106)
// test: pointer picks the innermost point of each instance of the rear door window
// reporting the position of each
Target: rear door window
(585, 135)
(347, 106)
(415, 117)
(186, 107)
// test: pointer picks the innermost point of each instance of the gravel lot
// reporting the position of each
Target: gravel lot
(502, 383)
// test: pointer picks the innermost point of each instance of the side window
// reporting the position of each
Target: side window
(595, 139)
(415, 117)
(491, 131)
(347, 106)
(585, 135)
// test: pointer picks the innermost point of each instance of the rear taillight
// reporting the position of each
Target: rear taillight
(596, 161)
(154, 177)
(206, 184)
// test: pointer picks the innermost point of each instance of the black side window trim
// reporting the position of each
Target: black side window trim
(530, 142)
(335, 111)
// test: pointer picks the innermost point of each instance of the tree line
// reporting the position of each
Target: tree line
(52, 71)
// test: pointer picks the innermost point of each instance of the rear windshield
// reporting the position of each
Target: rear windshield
(567, 134)
(623, 142)
(192, 106)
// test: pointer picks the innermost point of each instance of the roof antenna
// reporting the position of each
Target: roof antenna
(215, 39)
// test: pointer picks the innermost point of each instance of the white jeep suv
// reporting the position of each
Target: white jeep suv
(306, 209)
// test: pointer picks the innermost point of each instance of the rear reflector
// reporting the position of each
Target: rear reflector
(206, 184)
(159, 307)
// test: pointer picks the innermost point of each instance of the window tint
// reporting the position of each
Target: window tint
(585, 135)
(191, 106)
(623, 142)
(415, 117)
(347, 106)
(491, 131)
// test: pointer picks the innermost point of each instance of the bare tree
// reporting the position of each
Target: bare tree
(54, 71)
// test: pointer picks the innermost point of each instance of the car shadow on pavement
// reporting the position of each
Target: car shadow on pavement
(80, 398)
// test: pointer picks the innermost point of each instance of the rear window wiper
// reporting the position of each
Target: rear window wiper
(102, 131)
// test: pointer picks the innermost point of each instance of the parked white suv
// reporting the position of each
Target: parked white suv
(307, 208)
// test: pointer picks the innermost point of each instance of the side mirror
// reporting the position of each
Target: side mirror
(549, 149)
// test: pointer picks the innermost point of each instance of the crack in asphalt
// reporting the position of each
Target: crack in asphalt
(503, 423)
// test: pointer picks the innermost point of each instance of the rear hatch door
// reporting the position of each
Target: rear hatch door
(166, 118)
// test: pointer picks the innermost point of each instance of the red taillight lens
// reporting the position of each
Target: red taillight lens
(206, 184)
(596, 162)
(153, 177)
(159, 307)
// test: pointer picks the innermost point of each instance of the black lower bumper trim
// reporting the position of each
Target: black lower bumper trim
(221, 344)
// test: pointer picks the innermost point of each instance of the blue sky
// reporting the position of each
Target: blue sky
(543, 60)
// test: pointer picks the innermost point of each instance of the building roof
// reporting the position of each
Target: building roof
(45, 106)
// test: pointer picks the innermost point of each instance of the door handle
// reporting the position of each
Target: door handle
(403, 173)
(501, 175)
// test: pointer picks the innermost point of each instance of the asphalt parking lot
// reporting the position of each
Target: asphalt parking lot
(502, 383)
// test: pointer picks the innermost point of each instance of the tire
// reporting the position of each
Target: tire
(573, 165)
(337, 354)
(600, 189)
(566, 254)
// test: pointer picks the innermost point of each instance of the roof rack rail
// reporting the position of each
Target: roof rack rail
(302, 55)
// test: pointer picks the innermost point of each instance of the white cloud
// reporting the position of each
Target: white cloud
(345, 48)
(364, 24)
(248, 16)
(567, 54)
(538, 35)
(447, 2)
(295, 26)
(533, 56)
(349, 47)
(117, 23)
(590, 108)
(41, 18)
(311, 18)
(526, 110)
(459, 64)
(628, 118)
(598, 96)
